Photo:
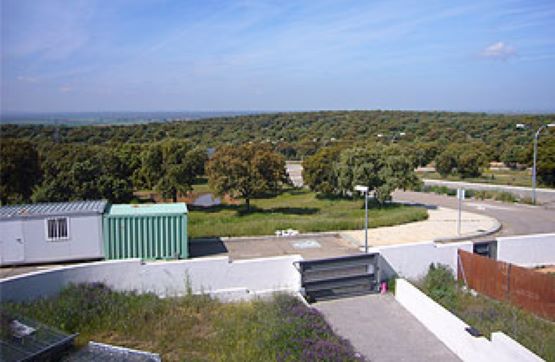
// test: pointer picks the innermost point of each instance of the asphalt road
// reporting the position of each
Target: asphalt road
(517, 219)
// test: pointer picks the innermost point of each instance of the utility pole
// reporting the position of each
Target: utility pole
(364, 190)
(537, 135)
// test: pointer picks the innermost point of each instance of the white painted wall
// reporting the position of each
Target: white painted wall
(527, 250)
(85, 240)
(451, 330)
(217, 276)
(413, 260)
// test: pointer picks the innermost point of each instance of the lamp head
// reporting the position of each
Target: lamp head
(361, 188)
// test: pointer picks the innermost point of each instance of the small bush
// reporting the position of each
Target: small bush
(439, 285)
(505, 196)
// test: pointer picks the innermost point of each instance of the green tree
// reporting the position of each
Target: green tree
(19, 170)
(360, 166)
(467, 160)
(546, 162)
(397, 173)
(246, 171)
(82, 173)
(172, 166)
(319, 170)
(515, 155)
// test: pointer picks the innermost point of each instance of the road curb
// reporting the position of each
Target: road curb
(495, 228)
(239, 238)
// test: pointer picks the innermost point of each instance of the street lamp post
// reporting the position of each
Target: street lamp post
(536, 158)
(364, 189)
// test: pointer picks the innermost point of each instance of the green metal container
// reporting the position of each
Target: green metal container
(146, 231)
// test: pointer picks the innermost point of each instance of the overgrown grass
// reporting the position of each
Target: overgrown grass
(297, 209)
(488, 315)
(192, 328)
(499, 177)
(502, 196)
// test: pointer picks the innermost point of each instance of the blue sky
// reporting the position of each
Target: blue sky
(149, 55)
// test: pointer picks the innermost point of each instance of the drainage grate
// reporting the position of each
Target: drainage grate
(23, 339)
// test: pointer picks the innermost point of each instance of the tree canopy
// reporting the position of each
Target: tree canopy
(172, 166)
(246, 171)
(382, 169)
(20, 170)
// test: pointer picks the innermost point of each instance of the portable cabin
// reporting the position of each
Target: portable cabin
(146, 231)
(51, 232)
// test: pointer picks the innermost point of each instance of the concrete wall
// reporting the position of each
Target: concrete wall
(216, 276)
(451, 330)
(527, 250)
(413, 260)
(85, 240)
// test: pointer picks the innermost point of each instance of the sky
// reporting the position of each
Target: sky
(166, 55)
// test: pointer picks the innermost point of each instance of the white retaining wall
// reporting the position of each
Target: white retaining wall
(451, 330)
(218, 276)
(527, 250)
(413, 260)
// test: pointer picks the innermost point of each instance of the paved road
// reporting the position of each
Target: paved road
(544, 196)
(382, 330)
(517, 219)
(295, 172)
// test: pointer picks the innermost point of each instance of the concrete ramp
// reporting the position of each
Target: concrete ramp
(382, 330)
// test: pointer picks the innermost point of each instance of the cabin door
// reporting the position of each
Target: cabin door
(11, 243)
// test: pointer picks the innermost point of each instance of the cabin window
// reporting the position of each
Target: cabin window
(57, 229)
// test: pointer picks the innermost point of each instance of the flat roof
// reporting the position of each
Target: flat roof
(148, 209)
(53, 209)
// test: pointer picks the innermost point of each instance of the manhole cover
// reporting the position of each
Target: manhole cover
(306, 244)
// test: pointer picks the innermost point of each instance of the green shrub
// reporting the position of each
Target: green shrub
(505, 196)
(488, 315)
(439, 285)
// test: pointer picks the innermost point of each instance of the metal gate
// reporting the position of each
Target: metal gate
(339, 277)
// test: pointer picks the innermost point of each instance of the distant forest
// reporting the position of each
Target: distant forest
(297, 135)
(56, 163)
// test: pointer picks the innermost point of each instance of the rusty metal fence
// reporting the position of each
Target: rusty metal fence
(523, 287)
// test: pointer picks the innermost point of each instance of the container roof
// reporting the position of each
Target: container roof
(148, 209)
(53, 209)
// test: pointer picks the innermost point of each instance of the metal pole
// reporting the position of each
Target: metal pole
(534, 166)
(459, 220)
(366, 222)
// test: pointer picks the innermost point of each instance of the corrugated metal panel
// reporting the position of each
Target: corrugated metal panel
(145, 236)
(53, 209)
(528, 289)
(148, 209)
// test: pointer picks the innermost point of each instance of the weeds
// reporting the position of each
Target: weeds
(488, 315)
(502, 196)
(193, 327)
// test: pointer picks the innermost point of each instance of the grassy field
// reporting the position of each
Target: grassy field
(297, 209)
(499, 177)
(488, 315)
(193, 327)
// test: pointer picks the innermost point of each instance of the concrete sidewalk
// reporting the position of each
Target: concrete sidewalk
(441, 223)
(382, 330)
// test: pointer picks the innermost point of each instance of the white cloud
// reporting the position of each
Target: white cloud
(65, 89)
(499, 50)
(27, 79)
